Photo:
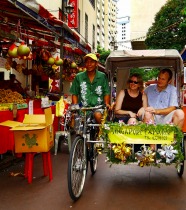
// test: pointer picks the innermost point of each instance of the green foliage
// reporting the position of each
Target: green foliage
(168, 30)
(103, 54)
(147, 74)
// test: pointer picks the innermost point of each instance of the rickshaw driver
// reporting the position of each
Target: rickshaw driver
(163, 101)
(91, 88)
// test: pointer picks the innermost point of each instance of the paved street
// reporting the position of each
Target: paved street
(111, 188)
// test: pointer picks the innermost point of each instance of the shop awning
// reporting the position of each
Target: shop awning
(27, 19)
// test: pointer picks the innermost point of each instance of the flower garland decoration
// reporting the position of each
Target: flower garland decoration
(116, 153)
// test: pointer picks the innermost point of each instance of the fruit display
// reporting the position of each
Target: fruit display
(9, 96)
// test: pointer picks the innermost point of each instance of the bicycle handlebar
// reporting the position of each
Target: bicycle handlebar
(75, 107)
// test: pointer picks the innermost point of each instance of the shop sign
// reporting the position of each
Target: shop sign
(73, 17)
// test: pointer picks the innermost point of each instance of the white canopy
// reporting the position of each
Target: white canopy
(144, 58)
(120, 62)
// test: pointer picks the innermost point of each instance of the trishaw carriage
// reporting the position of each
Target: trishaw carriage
(120, 139)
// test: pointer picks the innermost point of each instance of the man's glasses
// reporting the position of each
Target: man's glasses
(131, 81)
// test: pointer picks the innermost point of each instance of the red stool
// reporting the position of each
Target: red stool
(47, 165)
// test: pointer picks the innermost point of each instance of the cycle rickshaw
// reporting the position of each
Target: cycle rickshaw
(120, 139)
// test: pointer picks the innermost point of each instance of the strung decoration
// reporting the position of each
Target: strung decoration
(167, 152)
(122, 151)
(146, 156)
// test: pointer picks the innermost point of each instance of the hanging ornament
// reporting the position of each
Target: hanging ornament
(51, 61)
(73, 65)
(58, 61)
(12, 51)
(45, 54)
(23, 50)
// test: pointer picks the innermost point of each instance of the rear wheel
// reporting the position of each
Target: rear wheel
(180, 166)
(77, 167)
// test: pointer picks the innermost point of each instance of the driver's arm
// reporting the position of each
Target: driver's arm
(74, 99)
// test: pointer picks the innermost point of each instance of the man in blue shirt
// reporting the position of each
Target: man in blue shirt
(163, 101)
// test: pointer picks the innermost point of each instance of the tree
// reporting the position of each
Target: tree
(146, 74)
(168, 30)
(103, 54)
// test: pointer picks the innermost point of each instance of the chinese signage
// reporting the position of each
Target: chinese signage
(73, 17)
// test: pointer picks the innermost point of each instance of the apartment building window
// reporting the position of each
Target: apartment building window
(93, 3)
(86, 27)
(93, 36)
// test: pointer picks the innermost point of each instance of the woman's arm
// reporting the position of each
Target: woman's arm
(144, 99)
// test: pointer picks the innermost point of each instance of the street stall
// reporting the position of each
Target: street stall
(30, 38)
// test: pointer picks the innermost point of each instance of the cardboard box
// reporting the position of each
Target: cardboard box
(35, 134)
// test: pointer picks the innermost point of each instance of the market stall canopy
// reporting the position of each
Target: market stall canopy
(27, 19)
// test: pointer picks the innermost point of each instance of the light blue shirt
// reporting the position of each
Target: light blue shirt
(163, 99)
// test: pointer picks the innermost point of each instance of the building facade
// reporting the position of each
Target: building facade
(96, 20)
(142, 17)
(123, 33)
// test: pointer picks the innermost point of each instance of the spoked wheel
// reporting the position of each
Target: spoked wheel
(180, 166)
(77, 167)
(93, 154)
(93, 159)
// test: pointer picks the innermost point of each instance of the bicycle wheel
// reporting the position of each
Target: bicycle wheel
(93, 154)
(180, 166)
(77, 167)
(93, 158)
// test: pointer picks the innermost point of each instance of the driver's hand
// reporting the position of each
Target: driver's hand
(108, 107)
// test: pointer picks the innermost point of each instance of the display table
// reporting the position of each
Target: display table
(7, 136)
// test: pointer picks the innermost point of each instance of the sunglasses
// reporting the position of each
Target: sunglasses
(131, 81)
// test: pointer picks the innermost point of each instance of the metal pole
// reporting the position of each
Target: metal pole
(61, 48)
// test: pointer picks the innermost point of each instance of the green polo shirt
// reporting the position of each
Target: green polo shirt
(90, 94)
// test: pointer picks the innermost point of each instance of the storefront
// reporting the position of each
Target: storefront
(30, 22)
(26, 22)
